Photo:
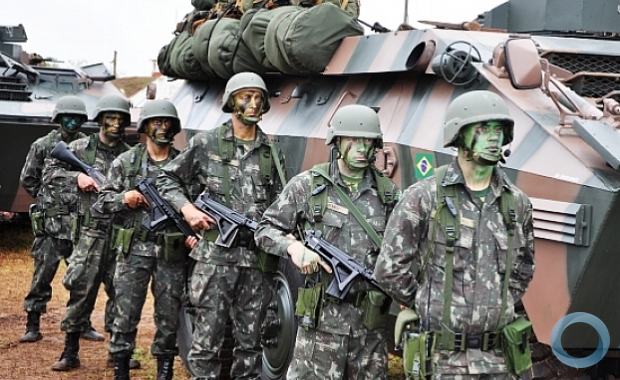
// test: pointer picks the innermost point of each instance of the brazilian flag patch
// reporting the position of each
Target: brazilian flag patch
(424, 165)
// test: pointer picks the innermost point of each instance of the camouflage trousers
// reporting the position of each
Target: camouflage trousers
(47, 251)
(470, 365)
(90, 264)
(320, 355)
(219, 292)
(496, 376)
(131, 281)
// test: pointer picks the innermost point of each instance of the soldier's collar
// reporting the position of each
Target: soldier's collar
(454, 175)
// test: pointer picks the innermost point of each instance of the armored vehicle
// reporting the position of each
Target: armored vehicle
(29, 89)
(557, 65)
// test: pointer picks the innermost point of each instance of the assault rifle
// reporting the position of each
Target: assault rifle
(345, 268)
(228, 221)
(161, 211)
(62, 152)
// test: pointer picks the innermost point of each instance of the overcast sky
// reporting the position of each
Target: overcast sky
(84, 32)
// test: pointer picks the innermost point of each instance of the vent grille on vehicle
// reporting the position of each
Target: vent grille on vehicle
(587, 85)
(14, 89)
(561, 221)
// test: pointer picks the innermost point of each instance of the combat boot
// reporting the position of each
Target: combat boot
(69, 359)
(121, 366)
(32, 328)
(133, 363)
(165, 367)
(92, 335)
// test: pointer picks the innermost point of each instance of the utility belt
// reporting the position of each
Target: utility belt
(145, 235)
(172, 244)
(485, 341)
(99, 224)
(59, 210)
(374, 305)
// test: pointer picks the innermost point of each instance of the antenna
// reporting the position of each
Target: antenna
(406, 17)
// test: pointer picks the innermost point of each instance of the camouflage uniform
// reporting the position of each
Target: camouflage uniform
(224, 282)
(91, 261)
(479, 266)
(340, 346)
(135, 268)
(54, 242)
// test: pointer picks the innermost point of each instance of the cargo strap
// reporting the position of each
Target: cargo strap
(446, 215)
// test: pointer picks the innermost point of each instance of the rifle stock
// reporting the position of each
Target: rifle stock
(345, 268)
(228, 221)
(62, 152)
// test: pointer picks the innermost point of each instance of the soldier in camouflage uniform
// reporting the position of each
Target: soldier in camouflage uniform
(52, 212)
(237, 166)
(141, 257)
(337, 339)
(91, 261)
(421, 245)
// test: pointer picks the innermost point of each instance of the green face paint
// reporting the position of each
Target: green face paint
(356, 152)
(70, 125)
(160, 130)
(248, 106)
(484, 142)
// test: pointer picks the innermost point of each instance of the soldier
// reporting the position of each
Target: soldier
(141, 257)
(51, 215)
(237, 166)
(459, 247)
(347, 339)
(91, 262)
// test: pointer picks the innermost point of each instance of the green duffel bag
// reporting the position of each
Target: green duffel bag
(175, 50)
(309, 40)
(516, 346)
(200, 47)
(254, 34)
(185, 62)
(203, 5)
(274, 46)
(222, 47)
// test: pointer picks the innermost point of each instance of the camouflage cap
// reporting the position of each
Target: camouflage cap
(475, 107)
(69, 105)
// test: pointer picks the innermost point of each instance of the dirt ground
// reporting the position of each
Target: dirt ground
(32, 361)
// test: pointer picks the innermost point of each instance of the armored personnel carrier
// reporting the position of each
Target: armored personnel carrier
(557, 64)
(29, 89)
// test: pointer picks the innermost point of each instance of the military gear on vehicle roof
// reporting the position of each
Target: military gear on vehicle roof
(113, 103)
(69, 105)
(475, 107)
(355, 120)
(159, 108)
(242, 81)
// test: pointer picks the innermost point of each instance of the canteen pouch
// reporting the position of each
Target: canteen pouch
(308, 305)
(267, 263)
(417, 355)
(37, 219)
(374, 310)
(515, 343)
(173, 249)
(121, 239)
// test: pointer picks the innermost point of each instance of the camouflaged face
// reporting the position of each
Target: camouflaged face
(479, 259)
(200, 167)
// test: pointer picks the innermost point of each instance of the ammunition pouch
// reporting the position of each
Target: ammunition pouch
(173, 248)
(375, 307)
(37, 221)
(516, 347)
(267, 263)
(308, 305)
(145, 235)
(121, 239)
(418, 348)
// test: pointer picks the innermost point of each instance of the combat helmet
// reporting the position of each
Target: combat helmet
(159, 108)
(240, 81)
(113, 103)
(355, 120)
(69, 105)
(475, 107)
